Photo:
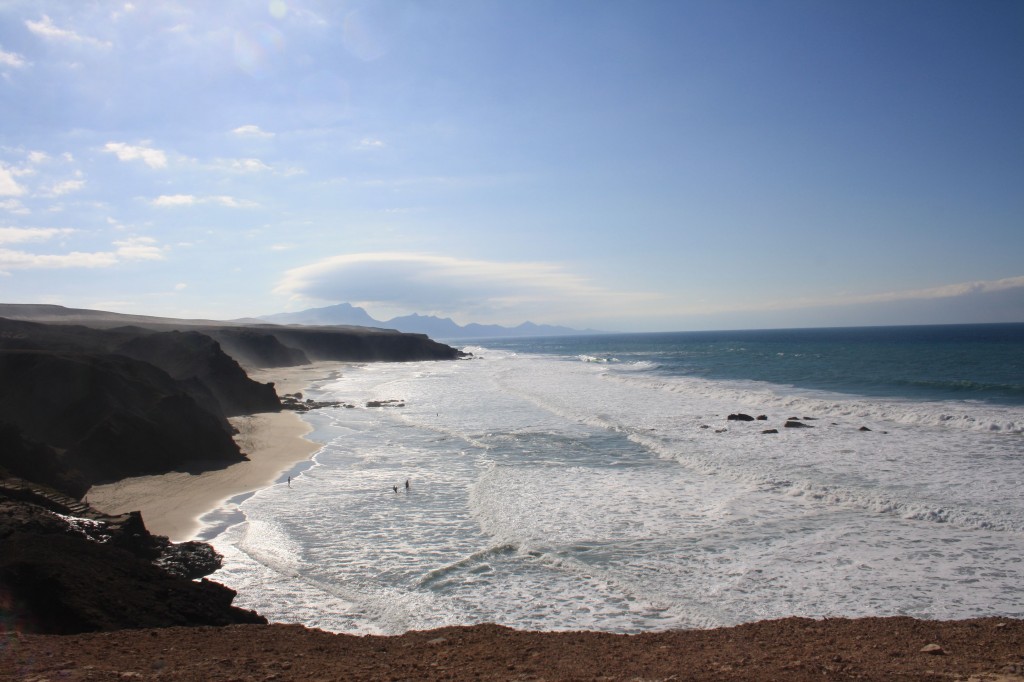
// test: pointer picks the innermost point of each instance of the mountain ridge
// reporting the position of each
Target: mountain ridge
(435, 327)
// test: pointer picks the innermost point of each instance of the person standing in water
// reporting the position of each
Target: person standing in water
(407, 485)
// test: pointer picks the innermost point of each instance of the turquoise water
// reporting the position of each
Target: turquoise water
(596, 483)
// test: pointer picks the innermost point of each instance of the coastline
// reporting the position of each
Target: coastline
(172, 504)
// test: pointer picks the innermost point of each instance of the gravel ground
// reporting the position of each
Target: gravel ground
(787, 649)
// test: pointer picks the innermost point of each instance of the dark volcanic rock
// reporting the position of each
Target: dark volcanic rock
(25, 458)
(66, 568)
(324, 343)
(198, 359)
(740, 417)
(189, 559)
(793, 424)
(208, 374)
(394, 402)
(293, 401)
(62, 584)
(770, 431)
(256, 348)
(863, 428)
(112, 416)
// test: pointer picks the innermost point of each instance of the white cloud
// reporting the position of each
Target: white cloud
(947, 291)
(461, 288)
(64, 187)
(173, 200)
(243, 165)
(45, 28)
(14, 206)
(12, 59)
(232, 202)
(130, 249)
(36, 157)
(24, 261)
(180, 286)
(8, 186)
(251, 131)
(370, 143)
(126, 8)
(16, 235)
(154, 158)
(139, 248)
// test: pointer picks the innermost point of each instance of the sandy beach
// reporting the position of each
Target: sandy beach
(172, 504)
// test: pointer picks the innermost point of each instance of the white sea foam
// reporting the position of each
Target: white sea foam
(559, 494)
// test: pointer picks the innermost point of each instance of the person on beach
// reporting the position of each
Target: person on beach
(407, 484)
(395, 488)
(289, 481)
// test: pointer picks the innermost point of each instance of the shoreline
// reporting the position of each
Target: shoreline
(172, 504)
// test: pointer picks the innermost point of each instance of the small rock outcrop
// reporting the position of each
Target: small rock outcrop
(294, 401)
(739, 417)
(394, 402)
(66, 568)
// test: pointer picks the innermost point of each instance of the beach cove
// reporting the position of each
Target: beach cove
(172, 504)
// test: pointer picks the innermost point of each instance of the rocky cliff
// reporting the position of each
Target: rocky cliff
(91, 397)
(65, 568)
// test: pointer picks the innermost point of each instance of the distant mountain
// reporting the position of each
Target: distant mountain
(434, 327)
(343, 313)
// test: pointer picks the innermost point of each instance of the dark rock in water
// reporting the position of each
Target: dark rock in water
(294, 402)
(793, 424)
(740, 418)
(385, 403)
(863, 428)
(762, 417)
(770, 431)
(705, 426)
(721, 430)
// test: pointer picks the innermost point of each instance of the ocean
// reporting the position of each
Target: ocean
(596, 483)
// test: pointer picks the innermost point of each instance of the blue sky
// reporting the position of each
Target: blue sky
(641, 166)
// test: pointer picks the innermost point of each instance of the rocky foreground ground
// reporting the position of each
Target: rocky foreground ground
(789, 649)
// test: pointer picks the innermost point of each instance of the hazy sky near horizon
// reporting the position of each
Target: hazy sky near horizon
(641, 166)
